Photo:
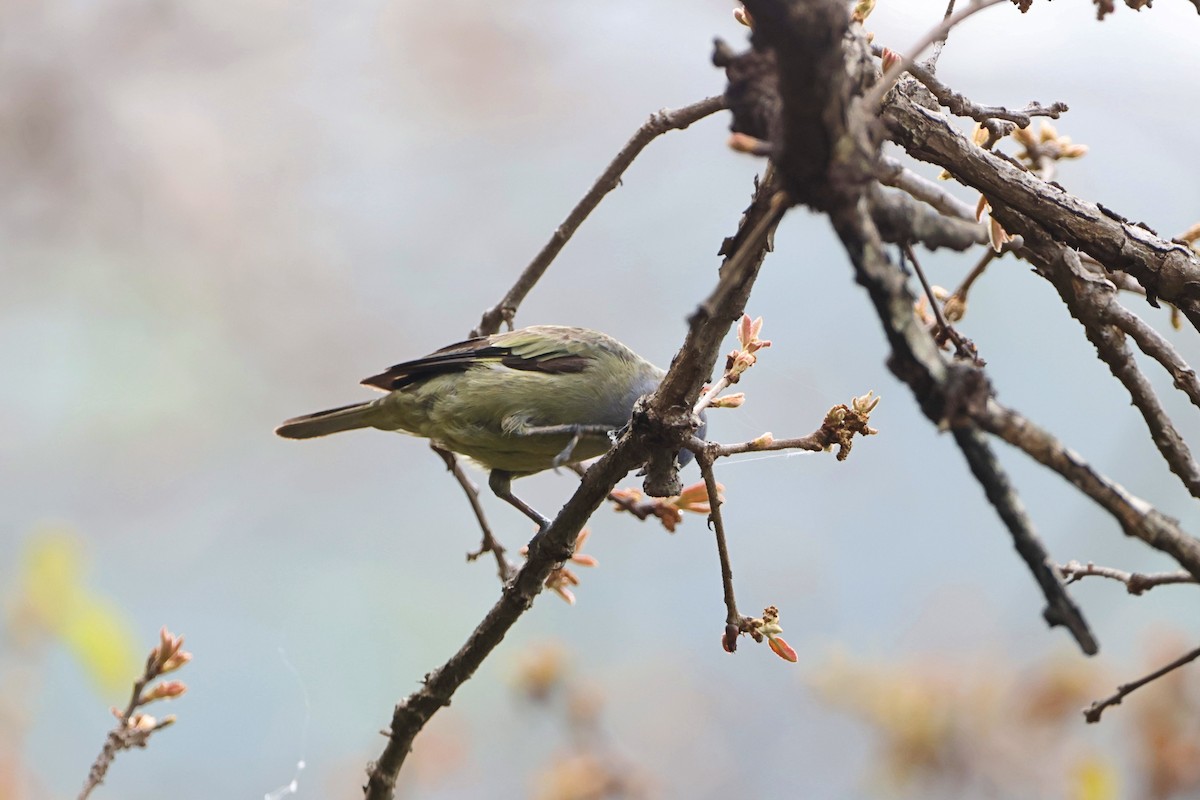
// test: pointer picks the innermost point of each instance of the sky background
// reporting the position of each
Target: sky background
(216, 216)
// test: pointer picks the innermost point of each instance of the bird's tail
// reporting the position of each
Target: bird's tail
(323, 423)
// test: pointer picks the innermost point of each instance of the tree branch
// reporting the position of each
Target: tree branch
(660, 422)
(1137, 518)
(1166, 269)
(1092, 713)
(1135, 582)
(658, 124)
(815, 90)
(959, 105)
(1092, 299)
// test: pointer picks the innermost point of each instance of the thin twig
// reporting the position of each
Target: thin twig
(658, 124)
(733, 620)
(961, 348)
(1093, 712)
(874, 97)
(931, 62)
(892, 173)
(1158, 347)
(1135, 582)
(960, 105)
(489, 542)
(964, 288)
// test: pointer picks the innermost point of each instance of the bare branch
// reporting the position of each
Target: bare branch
(1158, 347)
(547, 549)
(1060, 609)
(963, 347)
(733, 620)
(1092, 713)
(817, 109)
(1092, 299)
(658, 124)
(1137, 518)
(902, 219)
(1168, 270)
(1135, 582)
(940, 44)
(959, 105)
(874, 97)
(892, 173)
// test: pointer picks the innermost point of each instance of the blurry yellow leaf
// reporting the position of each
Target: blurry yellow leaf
(1093, 779)
(53, 595)
(98, 637)
(49, 580)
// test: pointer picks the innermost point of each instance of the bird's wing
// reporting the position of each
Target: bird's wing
(520, 349)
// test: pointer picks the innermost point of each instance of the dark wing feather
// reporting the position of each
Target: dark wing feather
(459, 357)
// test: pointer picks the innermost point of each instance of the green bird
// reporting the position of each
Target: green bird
(516, 403)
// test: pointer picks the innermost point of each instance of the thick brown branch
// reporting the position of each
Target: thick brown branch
(828, 155)
(658, 124)
(1166, 269)
(901, 219)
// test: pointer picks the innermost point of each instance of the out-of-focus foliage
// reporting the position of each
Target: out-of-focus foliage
(52, 601)
(982, 726)
(48, 603)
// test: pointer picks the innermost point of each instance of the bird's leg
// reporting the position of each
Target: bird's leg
(500, 483)
(489, 542)
(576, 432)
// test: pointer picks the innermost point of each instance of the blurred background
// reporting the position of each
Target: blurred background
(219, 215)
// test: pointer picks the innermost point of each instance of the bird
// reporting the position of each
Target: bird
(515, 403)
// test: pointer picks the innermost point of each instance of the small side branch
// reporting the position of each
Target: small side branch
(959, 105)
(1158, 347)
(658, 124)
(547, 550)
(1135, 582)
(734, 622)
(892, 173)
(1093, 712)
